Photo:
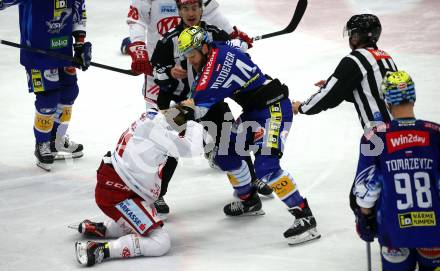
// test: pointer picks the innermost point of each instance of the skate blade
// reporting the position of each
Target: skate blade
(66, 156)
(270, 196)
(46, 167)
(74, 226)
(307, 236)
(253, 213)
(81, 252)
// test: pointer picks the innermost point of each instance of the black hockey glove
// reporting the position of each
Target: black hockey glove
(83, 55)
(366, 225)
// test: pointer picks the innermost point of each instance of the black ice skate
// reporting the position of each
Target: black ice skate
(263, 188)
(44, 155)
(62, 148)
(90, 229)
(162, 208)
(304, 227)
(248, 207)
(89, 253)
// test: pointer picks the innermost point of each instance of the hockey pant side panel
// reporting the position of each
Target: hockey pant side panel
(121, 204)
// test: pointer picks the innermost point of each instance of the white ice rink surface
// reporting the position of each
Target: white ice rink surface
(321, 153)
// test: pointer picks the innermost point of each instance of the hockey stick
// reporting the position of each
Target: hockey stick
(297, 16)
(368, 256)
(63, 57)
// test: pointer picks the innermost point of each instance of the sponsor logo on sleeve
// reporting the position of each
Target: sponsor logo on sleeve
(400, 140)
(207, 71)
(135, 215)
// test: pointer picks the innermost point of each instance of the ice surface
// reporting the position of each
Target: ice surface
(36, 206)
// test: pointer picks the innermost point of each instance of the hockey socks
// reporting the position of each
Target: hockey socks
(240, 179)
(285, 188)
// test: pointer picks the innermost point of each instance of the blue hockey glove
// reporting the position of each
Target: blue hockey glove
(366, 226)
(83, 55)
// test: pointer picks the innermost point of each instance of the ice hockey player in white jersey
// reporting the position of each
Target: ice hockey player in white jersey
(149, 20)
(129, 181)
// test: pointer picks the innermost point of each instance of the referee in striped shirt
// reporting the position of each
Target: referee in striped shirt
(358, 76)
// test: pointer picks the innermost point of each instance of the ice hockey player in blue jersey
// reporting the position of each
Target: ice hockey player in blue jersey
(225, 71)
(51, 25)
(397, 184)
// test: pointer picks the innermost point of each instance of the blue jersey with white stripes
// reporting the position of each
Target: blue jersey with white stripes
(403, 182)
(48, 25)
(228, 71)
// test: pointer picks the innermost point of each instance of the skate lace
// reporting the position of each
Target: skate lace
(301, 222)
(44, 148)
(237, 206)
(160, 201)
(258, 183)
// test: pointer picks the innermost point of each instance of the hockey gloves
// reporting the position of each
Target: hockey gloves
(139, 57)
(237, 34)
(366, 225)
(83, 55)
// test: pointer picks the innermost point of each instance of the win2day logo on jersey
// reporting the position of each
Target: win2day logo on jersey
(400, 140)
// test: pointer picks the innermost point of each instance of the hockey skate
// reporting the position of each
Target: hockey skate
(89, 253)
(262, 189)
(248, 207)
(90, 229)
(44, 155)
(62, 148)
(304, 226)
(162, 208)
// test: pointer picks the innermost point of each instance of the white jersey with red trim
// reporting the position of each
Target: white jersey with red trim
(149, 20)
(143, 149)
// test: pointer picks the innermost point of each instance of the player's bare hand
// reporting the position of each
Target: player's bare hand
(320, 83)
(295, 107)
(178, 72)
(188, 102)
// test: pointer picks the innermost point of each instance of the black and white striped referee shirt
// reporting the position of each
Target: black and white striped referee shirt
(357, 79)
